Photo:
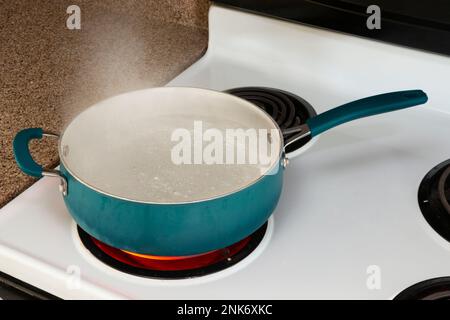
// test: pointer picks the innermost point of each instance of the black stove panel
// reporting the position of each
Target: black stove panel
(413, 23)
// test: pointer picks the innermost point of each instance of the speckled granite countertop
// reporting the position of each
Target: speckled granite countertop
(50, 73)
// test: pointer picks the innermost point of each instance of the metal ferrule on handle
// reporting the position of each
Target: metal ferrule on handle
(301, 130)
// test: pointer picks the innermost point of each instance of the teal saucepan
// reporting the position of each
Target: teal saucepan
(173, 172)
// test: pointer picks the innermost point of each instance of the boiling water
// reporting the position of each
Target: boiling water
(131, 156)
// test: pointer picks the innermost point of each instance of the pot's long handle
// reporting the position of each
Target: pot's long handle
(365, 107)
(355, 110)
(26, 162)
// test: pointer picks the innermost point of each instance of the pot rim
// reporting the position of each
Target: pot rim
(275, 166)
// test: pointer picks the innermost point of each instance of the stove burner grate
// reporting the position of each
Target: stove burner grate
(172, 267)
(434, 197)
(287, 109)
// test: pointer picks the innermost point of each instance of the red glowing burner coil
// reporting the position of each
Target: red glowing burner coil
(171, 263)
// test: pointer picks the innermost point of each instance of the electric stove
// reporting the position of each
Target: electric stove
(357, 217)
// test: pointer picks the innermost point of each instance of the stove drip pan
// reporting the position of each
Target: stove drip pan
(433, 289)
(434, 198)
(172, 267)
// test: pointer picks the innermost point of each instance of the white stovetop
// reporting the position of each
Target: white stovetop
(349, 200)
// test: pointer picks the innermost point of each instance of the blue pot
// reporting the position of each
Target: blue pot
(194, 227)
(173, 229)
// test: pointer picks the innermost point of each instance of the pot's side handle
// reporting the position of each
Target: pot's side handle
(22, 152)
(365, 107)
(26, 162)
